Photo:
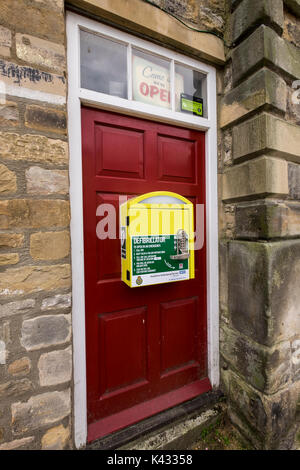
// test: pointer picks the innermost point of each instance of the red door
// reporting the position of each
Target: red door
(146, 348)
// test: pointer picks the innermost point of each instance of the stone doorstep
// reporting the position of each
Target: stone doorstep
(175, 429)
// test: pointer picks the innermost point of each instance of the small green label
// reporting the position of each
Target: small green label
(191, 105)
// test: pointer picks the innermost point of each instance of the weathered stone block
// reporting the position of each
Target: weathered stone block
(268, 417)
(262, 88)
(223, 278)
(48, 330)
(11, 240)
(294, 180)
(9, 113)
(35, 18)
(8, 258)
(263, 292)
(46, 119)
(264, 45)
(42, 181)
(34, 213)
(296, 360)
(17, 444)
(266, 369)
(294, 6)
(40, 52)
(20, 367)
(57, 302)
(257, 178)
(5, 41)
(250, 13)
(40, 410)
(49, 245)
(14, 308)
(13, 389)
(33, 148)
(56, 438)
(55, 367)
(32, 82)
(266, 134)
(27, 279)
(8, 181)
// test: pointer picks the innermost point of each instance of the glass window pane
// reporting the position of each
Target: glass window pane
(150, 79)
(103, 65)
(190, 91)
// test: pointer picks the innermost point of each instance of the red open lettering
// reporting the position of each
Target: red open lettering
(153, 90)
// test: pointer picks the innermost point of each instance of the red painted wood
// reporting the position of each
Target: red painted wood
(144, 410)
(141, 344)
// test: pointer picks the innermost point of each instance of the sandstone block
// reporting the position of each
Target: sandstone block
(35, 18)
(27, 279)
(266, 369)
(9, 113)
(46, 119)
(8, 258)
(249, 14)
(13, 389)
(17, 444)
(11, 240)
(34, 83)
(294, 180)
(33, 213)
(262, 88)
(269, 416)
(40, 410)
(20, 367)
(5, 41)
(56, 438)
(264, 45)
(14, 308)
(267, 219)
(8, 181)
(257, 178)
(33, 148)
(40, 52)
(44, 331)
(266, 134)
(296, 360)
(57, 302)
(49, 245)
(42, 181)
(55, 367)
(263, 293)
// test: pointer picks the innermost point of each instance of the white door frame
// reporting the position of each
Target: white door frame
(77, 96)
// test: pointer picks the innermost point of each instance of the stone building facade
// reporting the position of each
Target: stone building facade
(255, 48)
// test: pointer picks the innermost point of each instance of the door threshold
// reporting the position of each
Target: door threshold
(128, 418)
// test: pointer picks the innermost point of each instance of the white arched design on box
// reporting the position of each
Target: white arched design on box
(78, 96)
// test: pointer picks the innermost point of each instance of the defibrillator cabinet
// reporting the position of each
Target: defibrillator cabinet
(157, 239)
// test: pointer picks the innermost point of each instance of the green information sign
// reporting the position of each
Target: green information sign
(190, 104)
(151, 260)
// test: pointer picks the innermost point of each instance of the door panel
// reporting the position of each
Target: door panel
(145, 344)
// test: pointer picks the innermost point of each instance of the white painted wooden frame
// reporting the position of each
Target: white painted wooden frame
(78, 96)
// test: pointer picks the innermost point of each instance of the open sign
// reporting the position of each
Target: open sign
(151, 83)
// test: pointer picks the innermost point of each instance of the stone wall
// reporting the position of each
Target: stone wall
(35, 281)
(260, 221)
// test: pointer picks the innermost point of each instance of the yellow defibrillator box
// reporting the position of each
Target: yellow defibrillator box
(157, 239)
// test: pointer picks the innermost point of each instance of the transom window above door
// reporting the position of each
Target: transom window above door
(151, 76)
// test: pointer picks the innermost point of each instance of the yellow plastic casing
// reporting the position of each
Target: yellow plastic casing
(153, 222)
